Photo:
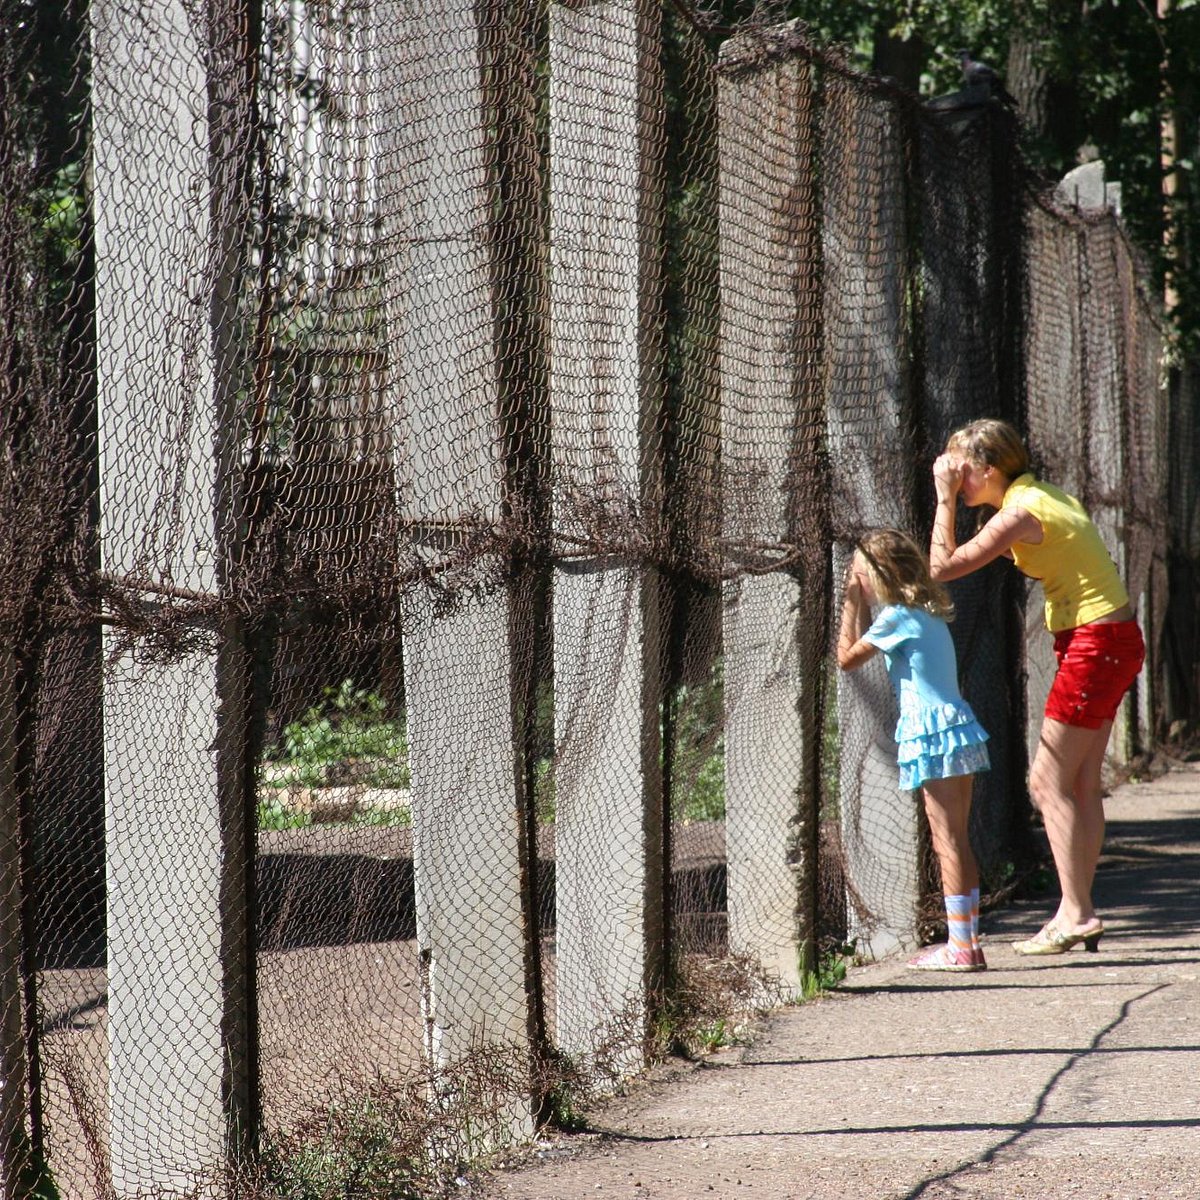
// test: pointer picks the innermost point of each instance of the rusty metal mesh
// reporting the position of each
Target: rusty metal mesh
(433, 437)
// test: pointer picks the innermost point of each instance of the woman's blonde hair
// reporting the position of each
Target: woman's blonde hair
(991, 443)
(900, 572)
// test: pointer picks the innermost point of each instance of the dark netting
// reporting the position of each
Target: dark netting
(433, 439)
(972, 208)
(868, 280)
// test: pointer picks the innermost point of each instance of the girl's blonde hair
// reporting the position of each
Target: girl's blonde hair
(991, 443)
(900, 573)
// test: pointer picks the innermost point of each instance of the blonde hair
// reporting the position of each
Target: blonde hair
(899, 572)
(991, 443)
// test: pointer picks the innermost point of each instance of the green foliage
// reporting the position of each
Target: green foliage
(831, 970)
(566, 1091)
(59, 212)
(356, 1154)
(831, 754)
(35, 1181)
(698, 762)
(714, 1003)
(274, 813)
(1106, 93)
(715, 1035)
(704, 799)
(395, 1138)
(543, 768)
(349, 738)
(543, 791)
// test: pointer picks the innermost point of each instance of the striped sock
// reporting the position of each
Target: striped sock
(958, 922)
(975, 918)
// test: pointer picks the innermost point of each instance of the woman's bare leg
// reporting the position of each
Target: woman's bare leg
(1065, 783)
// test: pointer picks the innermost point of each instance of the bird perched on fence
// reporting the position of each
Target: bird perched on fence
(982, 80)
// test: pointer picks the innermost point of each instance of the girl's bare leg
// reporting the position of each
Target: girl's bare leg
(948, 807)
(1065, 783)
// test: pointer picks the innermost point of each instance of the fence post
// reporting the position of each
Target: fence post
(13, 1069)
(473, 921)
(1054, 375)
(1148, 526)
(1103, 418)
(867, 249)
(180, 1011)
(971, 349)
(770, 272)
(606, 328)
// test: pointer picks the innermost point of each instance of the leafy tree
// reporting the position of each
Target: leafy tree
(1093, 79)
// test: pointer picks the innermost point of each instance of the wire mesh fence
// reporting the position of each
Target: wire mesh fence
(433, 438)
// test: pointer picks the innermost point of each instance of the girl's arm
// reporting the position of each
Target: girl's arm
(852, 651)
(949, 560)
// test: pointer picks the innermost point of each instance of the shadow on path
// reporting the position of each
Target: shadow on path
(1034, 1120)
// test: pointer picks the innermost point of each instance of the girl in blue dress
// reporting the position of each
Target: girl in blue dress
(940, 744)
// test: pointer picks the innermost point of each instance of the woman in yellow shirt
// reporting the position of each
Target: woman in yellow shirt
(1097, 643)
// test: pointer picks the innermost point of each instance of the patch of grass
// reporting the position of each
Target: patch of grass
(395, 818)
(565, 1091)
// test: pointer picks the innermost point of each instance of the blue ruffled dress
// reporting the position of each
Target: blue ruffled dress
(937, 735)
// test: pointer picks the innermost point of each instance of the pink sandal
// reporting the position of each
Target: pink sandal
(945, 958)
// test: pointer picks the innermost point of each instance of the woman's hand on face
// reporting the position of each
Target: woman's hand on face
(947, 476)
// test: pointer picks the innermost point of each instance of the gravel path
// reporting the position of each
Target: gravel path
(1074, 1076)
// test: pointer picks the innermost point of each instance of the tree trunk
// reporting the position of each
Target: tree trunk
(1047, 105)
(902, 59)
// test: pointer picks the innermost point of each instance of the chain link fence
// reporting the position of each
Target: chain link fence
(433, 437)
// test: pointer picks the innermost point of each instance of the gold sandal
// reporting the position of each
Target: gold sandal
(1052, 940)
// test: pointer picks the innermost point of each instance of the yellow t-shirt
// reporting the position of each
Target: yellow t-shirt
(1076, 571)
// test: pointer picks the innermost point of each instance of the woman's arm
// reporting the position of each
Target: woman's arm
(852, 651)
(950, 561)
(947, 559)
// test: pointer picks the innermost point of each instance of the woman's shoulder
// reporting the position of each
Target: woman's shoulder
(1029, 492)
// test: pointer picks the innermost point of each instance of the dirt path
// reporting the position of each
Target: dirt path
(1075, 1076)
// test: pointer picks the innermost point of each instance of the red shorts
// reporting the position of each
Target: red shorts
(1096, 665)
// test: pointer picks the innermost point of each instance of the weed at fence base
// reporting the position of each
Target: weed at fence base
(830, 971)
(714, 1004)
(396, 1139)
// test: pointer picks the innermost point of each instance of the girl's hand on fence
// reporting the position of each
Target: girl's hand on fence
(852, 651)
(852, 585)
